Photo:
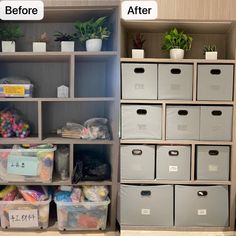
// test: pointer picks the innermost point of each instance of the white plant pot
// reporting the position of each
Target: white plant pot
(8, 46)
(39, 47)
(137, 53)
(176, 53)
(94, 45)
(67, 46)
(211, 55)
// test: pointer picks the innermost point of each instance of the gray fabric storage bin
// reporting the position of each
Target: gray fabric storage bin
(215, 82)
(141, 121)
(146, 205)
(175, 81)
(137, 162)
(182, 122)
(216, 123)
(139, 81)
(201, 206)
(173, 162)
(213, 162)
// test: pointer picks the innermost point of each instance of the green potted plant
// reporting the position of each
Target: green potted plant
(176, 42)
(41, 44)
(67, 41)
(8, 34)
(92, 32)
(210, 52)
(138, 41)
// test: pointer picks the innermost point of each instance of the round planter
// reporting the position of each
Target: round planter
(137, 53)
(176, 53)
(94, 45)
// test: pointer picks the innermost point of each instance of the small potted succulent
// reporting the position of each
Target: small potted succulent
(138, 41)
(92, 33)
(210, 52)
(41, 44)
(8, 35)
(67, 41)
(176, 42)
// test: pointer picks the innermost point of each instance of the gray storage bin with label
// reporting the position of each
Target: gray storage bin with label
(201, 206)
(146, 205)
(216, 123)
(213, 162)
(175, 81)
(137, 162)
(139, 81)
(141, 121)
(215, 82)
(182, 122)
(173, 162)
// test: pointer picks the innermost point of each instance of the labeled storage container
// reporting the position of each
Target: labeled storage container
(139, 81)
(137, 162)
(146, 205)
(213, 162)
(182, 122)
(173, 162)
(82, 215)
(201, 206)
(175, 81)
(141, 121)
(215, 82)
(16, 90)
(24, 215)
(26, 165)
(216, 123)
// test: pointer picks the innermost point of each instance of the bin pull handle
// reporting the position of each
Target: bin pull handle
(146, 193)
(183, 112)
(173, 153)
(137, 152)
(216, 113)
(139, 70)
(215, 71)
(175, 71)
(202, 193)
(141, 111)
(213, 153)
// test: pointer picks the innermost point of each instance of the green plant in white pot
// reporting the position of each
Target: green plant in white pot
(92, 33)
(176, 42)
(210, 52)
(67, 41)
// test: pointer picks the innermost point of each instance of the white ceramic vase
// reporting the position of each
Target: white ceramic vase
(67, 46)
(94, 45)
(39, 47)
(211, 55)
(176, 53)
(137, 53)
(8, 46)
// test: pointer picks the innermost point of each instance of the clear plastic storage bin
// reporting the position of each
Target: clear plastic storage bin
(26, 165)
(16, 90)
(15, 215)
(82, 215)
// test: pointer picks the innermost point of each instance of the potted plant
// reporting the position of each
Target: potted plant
(92, 32)
(138, 41)
(41, 44)
(177, 42)
(210, 52)
(8, 35)
(67, 41)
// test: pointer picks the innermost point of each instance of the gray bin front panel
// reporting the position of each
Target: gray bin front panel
(141, 121)
(215, 82)
(213, 162)
(137, 162)
(139, 81)
(216, 123)
(175, 81)
(194, 210)
(173, 162)
(146, 205)
(182, 122)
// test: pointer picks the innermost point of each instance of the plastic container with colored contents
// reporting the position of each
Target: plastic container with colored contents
(16, 90)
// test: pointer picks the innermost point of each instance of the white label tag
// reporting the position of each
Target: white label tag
(23, 218)
(212, 168)
(173, 168)
(145, 211)
(202, 212)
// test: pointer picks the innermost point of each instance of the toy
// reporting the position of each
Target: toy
(95, 193)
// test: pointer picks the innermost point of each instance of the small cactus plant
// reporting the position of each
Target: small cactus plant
(209, 48)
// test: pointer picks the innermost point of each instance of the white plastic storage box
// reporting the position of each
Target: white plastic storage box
(216, 123)
(173, 162)
(201, 206)
(175, 81)
(16, 90)
(213, 162)
(146, 205)
(26, 165)
(82, 215)
(24, 215)
(139, 81)
(215, 82)
(182, 122)
(141, 121)
(137, 162)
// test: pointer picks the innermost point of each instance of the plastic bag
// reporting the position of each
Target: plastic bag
(15, 80)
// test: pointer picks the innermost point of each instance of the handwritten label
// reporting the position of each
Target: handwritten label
(15, 90)
(202, 212)
(145, 211)
(23, 218)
